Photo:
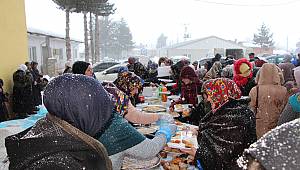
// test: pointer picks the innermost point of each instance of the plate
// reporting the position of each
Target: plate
(180, 107)
(146, 130)
(166, 80)
(170, 84)
(154, 108)
(132, 163)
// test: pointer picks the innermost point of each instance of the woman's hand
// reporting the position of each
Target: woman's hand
(191, 151)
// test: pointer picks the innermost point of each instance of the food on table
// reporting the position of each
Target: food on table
(179, 162)
(188, 144)
(132, 163)
(175, 141)
(163, 154)
(154, 109)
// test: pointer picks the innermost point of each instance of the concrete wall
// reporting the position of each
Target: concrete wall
(13, 39)
(55, 43)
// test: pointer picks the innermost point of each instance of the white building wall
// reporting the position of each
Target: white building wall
(59, 44)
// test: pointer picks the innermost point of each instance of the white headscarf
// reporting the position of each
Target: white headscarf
(22, 67)
(297, 75)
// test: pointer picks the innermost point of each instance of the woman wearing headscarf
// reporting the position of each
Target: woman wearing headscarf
(130, 84)
(22, 92)
(268, 98)
(190, 87)
(243, 75)
(277, 149)
(79, 110)
(122, 101)
(226, 130)
(291, 110)
(287, 68)
(214, 71)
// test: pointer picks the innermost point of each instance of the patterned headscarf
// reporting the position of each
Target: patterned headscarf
(127, 82)
(220, 90)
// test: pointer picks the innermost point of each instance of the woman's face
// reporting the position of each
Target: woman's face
(207, 99)
(186, 81)
(89, 71)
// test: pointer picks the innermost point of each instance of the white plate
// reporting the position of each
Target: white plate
(166, 80)
(177, 145)
(170, 84)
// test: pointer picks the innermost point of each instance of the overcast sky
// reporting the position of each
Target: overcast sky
(147, 19)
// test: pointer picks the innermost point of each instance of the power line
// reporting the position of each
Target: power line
(249, 5)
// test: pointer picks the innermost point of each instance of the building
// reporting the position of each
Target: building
(203, 47)
(256, 49)
(53, 62)
(13, 43)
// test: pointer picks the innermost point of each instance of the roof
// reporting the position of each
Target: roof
(35, 31)
(202, 39)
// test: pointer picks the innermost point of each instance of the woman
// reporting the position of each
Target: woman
(123, 105)
(130, 84)
(22, 92)
(291, 110)
(3, 101)
(79, 109)
(277, 149)
(190, 87)
(225, 131)
(268, 98)
(214, 71)
(243, 75)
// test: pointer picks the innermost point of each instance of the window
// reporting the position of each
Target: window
(58, 53)
(32, 54)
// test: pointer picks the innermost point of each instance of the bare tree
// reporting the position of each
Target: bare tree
(86, 43)
(97, 39)
(67, 5)
(92, 39)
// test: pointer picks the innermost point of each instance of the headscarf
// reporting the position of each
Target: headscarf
(80, 100)
(214, 71)
(287, 58)
(79, 67)
(277, 149)
(22, 67)
(297, 75)
(188, 73)
(190, 91)
(127, 81)
(269, 74)
(220, 90)
(294, 101)
(242, 71)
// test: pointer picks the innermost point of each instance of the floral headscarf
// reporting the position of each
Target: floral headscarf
(127, 82)
(220, 90)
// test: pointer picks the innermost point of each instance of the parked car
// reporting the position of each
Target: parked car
(98, 67)
(110, 74)
(276, 59)
(202, 61)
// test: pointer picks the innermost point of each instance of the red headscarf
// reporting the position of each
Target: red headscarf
(220, 90)
(239, 78)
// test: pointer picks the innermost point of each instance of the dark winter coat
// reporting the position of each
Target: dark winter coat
(22, 92)
(224, 134)
(247, 87)
(277, 149)
(3, 109)
(55, 144)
